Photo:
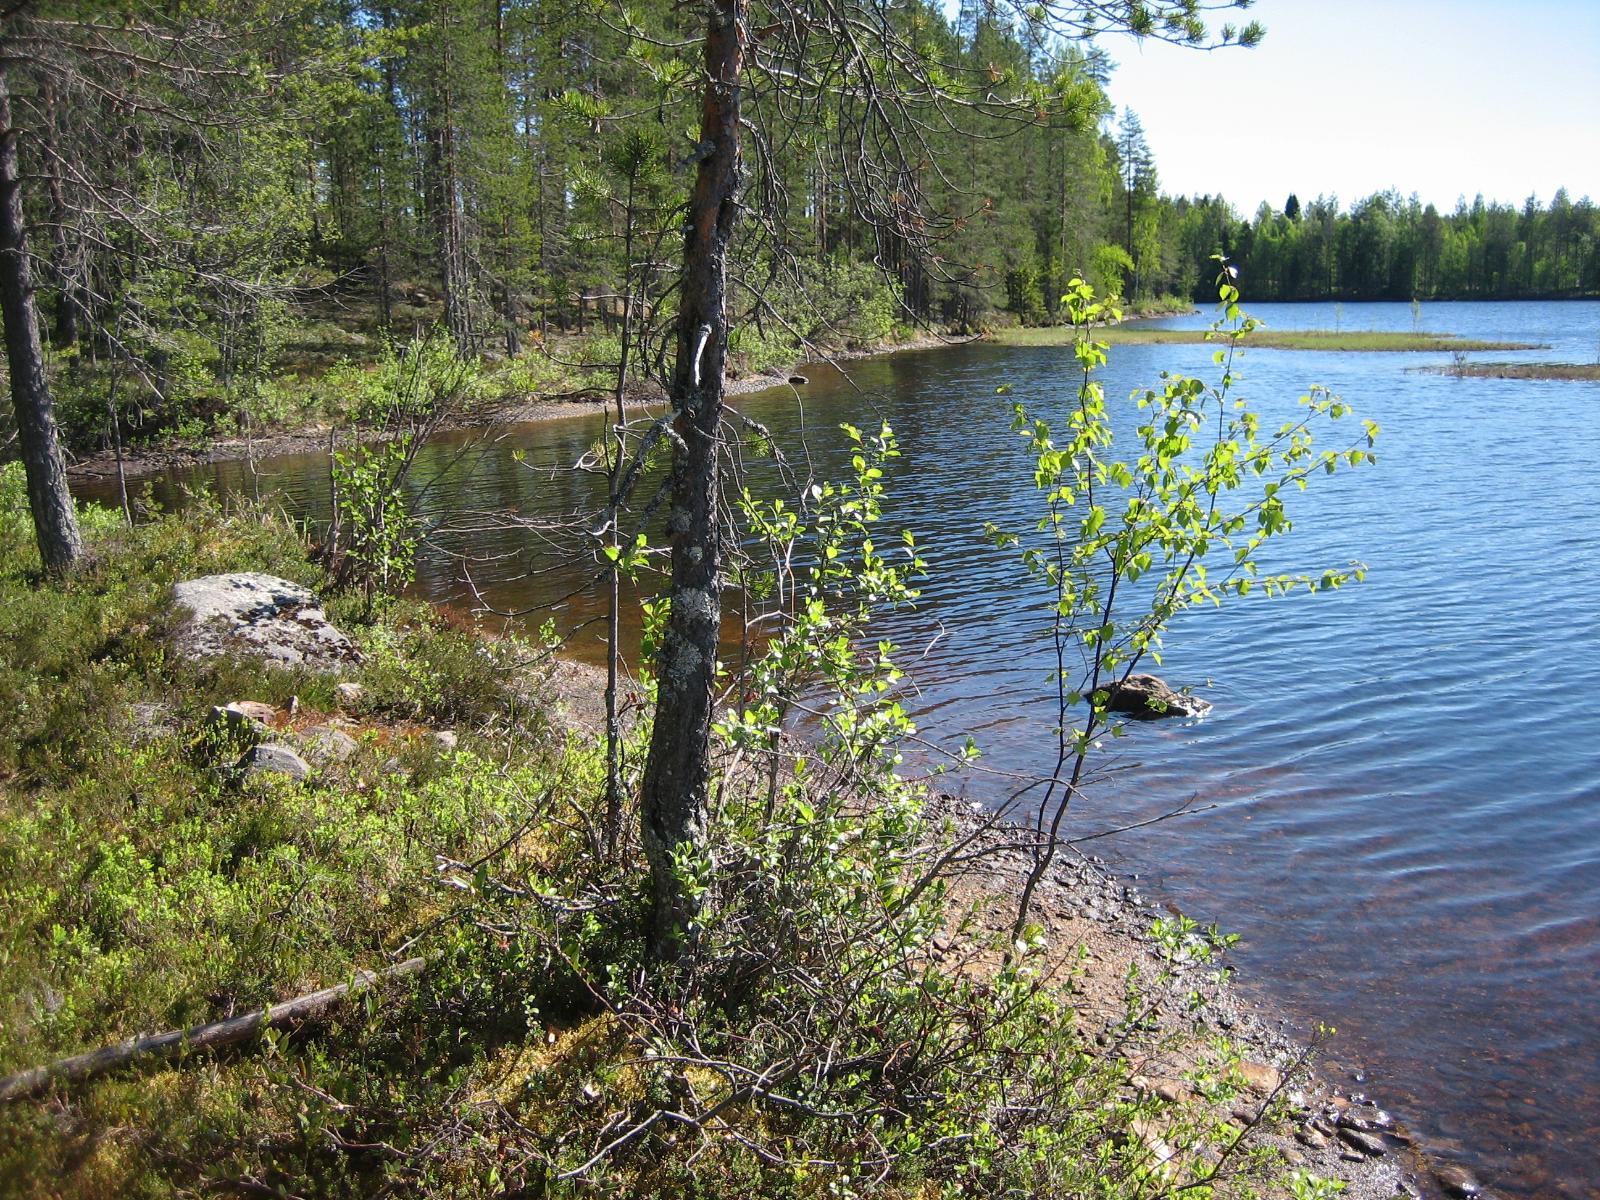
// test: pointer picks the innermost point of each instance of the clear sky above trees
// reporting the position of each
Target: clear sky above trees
(1441, 97)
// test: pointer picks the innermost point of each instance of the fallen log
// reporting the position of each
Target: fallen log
(198, 1039)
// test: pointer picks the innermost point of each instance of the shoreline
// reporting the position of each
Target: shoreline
(1333, 1129)
(140, 463)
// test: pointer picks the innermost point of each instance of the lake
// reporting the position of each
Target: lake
(1401, 780)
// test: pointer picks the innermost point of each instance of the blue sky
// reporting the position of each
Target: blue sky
(1443, 98)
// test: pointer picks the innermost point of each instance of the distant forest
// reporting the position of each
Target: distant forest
(1386, 248)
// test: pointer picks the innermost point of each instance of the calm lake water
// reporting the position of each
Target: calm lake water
(1404, 775)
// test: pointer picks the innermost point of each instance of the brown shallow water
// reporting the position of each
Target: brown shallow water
(1402, 779)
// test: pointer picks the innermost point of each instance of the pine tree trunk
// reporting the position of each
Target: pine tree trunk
(677, 774)
(55, 521)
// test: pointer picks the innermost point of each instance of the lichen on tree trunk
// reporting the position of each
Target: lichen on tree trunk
(677, 773)
(55, 521)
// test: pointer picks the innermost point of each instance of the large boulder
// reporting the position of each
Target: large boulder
(1147, 698)
(261, 616)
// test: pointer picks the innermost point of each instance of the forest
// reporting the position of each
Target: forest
(224, 200)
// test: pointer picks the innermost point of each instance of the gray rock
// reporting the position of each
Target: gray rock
(349, 695)
(243, 719)
(445, 740)
(261, 616)
(326, 744)
(1368, 1143)
(275, 759)
(1148, 698)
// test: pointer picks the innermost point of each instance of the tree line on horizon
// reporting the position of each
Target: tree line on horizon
(1386, 247)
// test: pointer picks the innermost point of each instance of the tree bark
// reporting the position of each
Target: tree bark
(677, 773)
(55, 521)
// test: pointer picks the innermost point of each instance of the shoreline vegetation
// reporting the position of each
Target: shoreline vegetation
(563, 397)
(562, 393)
(1355, 341)
(149, 885)
(1527, 370)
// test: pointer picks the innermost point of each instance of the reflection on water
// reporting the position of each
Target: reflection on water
(1405, 774)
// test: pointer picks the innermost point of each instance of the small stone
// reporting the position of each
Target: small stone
(1457, 1181)
(1366, 1117)
(445, 740)
(1368, 1143)
(275, 759)
(243, 716)
(1259, 1077)
(327, 744)
(349, 695)
(1172, 1090)
(1310, 1137)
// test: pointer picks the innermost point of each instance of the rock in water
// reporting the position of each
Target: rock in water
(1148, 698)
(262, 616)
(1457, 1182)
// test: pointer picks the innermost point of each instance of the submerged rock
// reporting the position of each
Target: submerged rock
(1148, 698)
(252, 614)
(1457, 1181)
